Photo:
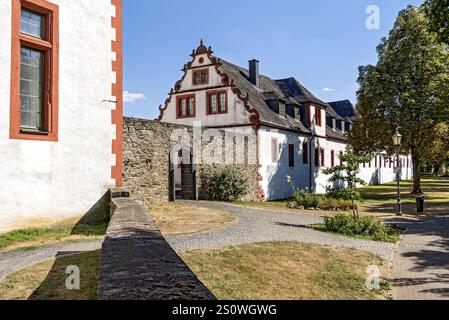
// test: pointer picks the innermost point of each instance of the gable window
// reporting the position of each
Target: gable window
(186, 106)
(34, 75)
(291, 155)
(217, 102)
(201, 77)
(318, 117)
(332, 158)
(274, 150)
(305, 152)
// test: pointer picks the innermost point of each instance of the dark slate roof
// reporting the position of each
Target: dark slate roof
(295, 89)
(269, 89)
(344, 109)
(335, 134)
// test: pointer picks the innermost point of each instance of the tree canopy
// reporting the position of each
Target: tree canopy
(408, 90)
(438, 13)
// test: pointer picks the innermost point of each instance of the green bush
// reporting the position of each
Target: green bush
(330, 204)
(223, 185)
(305, 199)
(368, 227)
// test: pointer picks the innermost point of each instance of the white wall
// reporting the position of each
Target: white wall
(46, 181)
(274, 175)
(237, 114)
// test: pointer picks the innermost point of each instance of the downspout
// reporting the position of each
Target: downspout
(311, 151)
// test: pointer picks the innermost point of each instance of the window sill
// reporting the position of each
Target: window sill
(30, 131)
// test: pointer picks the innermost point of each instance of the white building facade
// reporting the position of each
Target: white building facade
(297, 134)
(60, 108)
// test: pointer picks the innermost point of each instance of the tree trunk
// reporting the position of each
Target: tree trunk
(416, 174)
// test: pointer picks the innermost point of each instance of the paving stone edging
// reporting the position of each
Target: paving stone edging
(137, 263)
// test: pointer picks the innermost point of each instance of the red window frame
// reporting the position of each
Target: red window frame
(217, 94)
(323, 160)
(332, 158)
(50, 47)
(318, 117)
(291, 155)
(202, 72)
(178, 106)
(274, 150)
(305, 152)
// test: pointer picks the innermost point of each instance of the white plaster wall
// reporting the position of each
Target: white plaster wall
(274, 175)
(321, 180)
(384, 174)
(237, 114)
(46, 181)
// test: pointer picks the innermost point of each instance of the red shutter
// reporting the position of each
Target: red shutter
(305, 153)
(317, 157)
(291, 155)
(332, 158)
(323, 163)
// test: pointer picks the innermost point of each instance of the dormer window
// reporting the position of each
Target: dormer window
(282, 109)
(201, 77)
(298, 113)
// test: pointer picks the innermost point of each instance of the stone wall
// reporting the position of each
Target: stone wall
(146, 150)
(137, 263)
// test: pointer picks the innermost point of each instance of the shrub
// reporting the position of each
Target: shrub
(331, 204)
(366, 227)
(223, 185)
(304, 198)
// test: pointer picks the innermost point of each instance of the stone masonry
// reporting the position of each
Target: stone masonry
(146, 150)
(137, 262)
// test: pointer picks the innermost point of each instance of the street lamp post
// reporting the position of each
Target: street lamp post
(397, 139)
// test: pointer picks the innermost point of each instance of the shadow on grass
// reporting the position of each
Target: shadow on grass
(54, 286)
(95, 221)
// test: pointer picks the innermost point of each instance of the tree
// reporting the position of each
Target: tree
(437, 147)
(345, 180)
(407, 89)
(438, 13)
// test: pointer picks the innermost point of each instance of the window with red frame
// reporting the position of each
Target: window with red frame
(317, 157)
(332, 158)
(323, 162)
(201, 77)
(274, 150)
(217, 102)
(186, 106)
(34, 78)
(291, 155)
(305, 152)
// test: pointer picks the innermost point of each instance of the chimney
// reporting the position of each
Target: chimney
(254, 72)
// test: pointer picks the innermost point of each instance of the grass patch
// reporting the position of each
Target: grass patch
(181, 219)
(47, 280)
(36, 237)
(286, 271)
(367, 228)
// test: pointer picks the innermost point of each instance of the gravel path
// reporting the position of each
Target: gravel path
(255, 226)
(12, 261)
(421, 265)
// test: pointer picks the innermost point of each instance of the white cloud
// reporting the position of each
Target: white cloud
(328, 90)
(129, 97)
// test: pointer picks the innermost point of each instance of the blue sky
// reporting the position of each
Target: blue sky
(321, 42)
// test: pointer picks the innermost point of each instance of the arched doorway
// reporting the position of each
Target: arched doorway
(182, 176)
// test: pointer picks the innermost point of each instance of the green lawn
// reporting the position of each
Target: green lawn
(290, 271)
(31, 239)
